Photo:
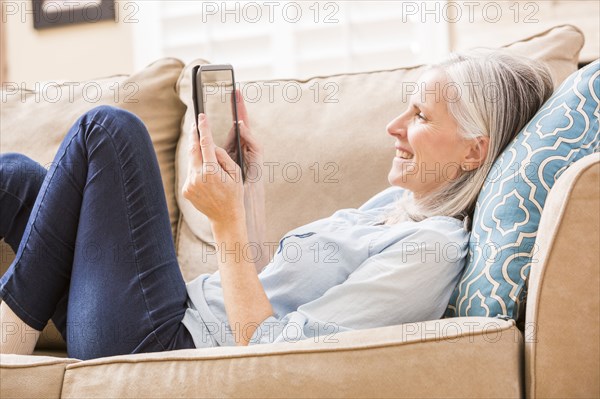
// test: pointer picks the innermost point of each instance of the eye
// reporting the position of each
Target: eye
(421, 116)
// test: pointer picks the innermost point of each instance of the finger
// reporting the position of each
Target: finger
(207, 146)
(230, 140)
(195, 154)
(241, 108)
(227, 164)
(247, 136)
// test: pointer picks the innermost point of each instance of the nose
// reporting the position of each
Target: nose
(397, 127)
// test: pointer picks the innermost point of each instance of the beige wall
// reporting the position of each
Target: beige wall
(76, 52)
(509, 21)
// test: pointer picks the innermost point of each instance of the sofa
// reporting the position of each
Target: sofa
(327, 149)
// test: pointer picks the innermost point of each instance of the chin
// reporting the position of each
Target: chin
(397, 179)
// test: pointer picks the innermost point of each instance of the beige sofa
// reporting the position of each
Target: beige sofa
(329, 150)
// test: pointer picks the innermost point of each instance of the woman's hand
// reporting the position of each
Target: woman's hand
(213, 184)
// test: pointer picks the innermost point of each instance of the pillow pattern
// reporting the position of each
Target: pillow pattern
(507, 213)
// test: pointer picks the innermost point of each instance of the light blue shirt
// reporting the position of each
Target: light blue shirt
(342, 273)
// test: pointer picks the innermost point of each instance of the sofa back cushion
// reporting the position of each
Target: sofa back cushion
(34, 121)
(502, 247)
(325, 141)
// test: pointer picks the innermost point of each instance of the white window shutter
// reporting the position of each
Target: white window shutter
(329, 37)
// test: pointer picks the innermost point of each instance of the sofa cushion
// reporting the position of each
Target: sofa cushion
(325, 142)
(409, 361)
(32, 376)
(502, 246)
(35, 121)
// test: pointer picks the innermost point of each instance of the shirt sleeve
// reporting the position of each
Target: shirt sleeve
(409, 281)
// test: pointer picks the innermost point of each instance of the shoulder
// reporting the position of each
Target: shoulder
(434, 234)
(439, 235)
(443, 224)
(443, 229)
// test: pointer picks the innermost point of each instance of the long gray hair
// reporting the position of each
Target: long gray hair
(520, 86)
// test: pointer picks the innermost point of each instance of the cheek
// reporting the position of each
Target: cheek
(433, 145)
(424, 145)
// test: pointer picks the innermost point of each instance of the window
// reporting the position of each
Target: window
(290, 39)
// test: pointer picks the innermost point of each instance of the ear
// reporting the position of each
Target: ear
(476, 153)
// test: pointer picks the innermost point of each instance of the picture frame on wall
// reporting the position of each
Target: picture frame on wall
(52, 13)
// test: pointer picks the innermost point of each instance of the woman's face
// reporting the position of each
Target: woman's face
(429, 150)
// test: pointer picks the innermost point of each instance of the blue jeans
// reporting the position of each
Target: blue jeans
(93, 243)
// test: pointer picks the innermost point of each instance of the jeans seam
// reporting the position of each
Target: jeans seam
(106, 131)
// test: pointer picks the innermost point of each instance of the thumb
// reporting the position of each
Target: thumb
(195, 152)
(247, 135)
(228, 164)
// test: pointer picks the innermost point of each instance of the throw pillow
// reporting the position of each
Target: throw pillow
(502, 247)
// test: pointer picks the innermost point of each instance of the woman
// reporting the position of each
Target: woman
(95, 253)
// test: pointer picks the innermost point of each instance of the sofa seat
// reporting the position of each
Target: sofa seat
(32, 376)
(440, 357)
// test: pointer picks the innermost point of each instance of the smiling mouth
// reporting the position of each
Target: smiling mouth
(404, 154)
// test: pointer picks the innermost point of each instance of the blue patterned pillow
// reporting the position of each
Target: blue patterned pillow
(507, 214)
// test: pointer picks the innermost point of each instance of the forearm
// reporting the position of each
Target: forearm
(256, 222)
(246, 302)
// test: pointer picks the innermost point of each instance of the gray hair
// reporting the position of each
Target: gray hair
(521, 86)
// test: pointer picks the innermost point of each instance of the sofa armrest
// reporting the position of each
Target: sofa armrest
(459, 357)
(563, 304)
